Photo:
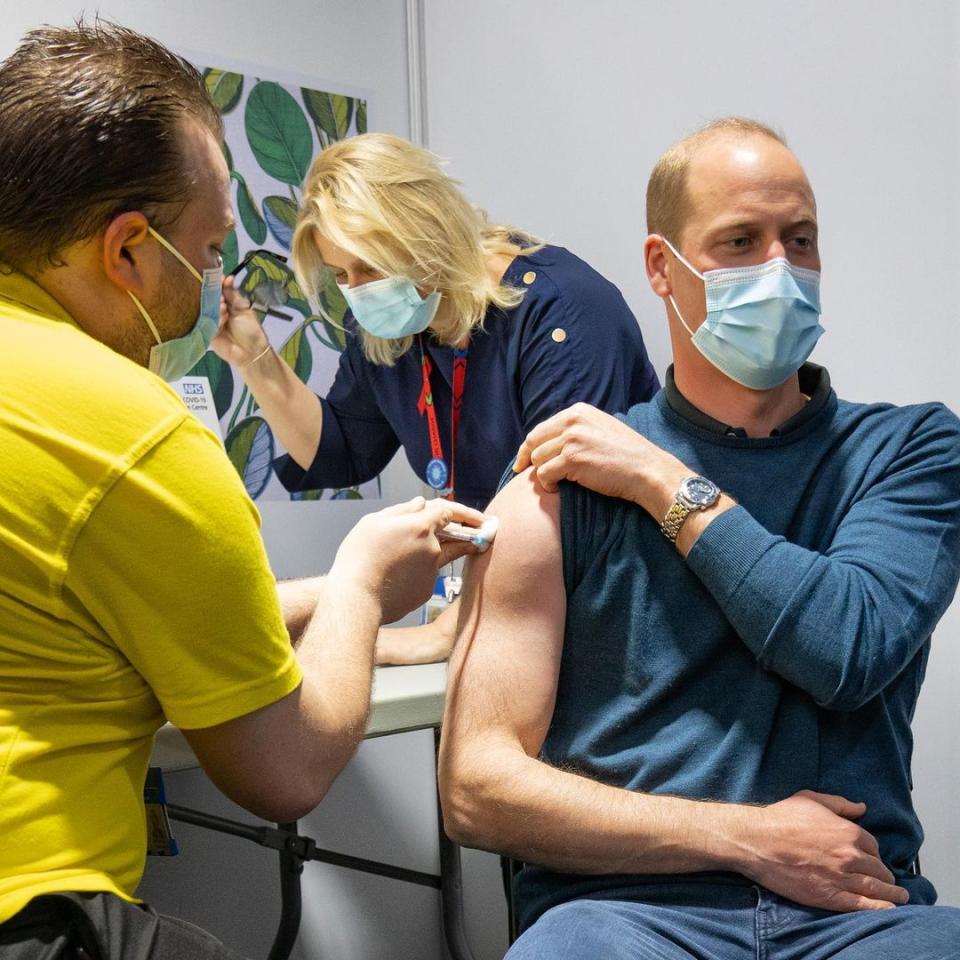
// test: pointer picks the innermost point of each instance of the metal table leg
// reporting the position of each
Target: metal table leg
(294, 850)
(291, 866)
(285, 839)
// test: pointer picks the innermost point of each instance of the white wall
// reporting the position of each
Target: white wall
(554, 111)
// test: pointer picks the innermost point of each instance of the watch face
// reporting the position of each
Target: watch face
(699, 491)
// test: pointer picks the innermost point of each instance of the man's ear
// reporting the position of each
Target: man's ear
(124, 256)
(658, 268)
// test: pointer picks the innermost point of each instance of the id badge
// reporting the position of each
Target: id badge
(160, 841)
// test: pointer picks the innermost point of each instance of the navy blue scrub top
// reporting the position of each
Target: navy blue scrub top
(572, 338)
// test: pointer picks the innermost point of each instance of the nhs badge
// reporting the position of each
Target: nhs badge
(197, 397)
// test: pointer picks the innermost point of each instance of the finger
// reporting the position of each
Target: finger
(848, 809)
(868, 842)
(551, 428)
(461, 513)
(522, 460)
(555, 469)
(852, 902)
(235, 300)
(547, 450)
(408, 506)
(451, 550)
(544, 480)
(874, 889)
(872, 866)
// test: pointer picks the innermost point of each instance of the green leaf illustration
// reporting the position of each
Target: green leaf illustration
(281, 217)
(278, 132)
(361, 116)
(347, 493)
(220, 375)
(231, 252)
(224, 88)
(331, 112)
(228, 156)
(253, 223)
(298, 355)
(250, 449)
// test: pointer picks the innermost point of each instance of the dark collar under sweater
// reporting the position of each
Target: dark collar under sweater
(814, 383)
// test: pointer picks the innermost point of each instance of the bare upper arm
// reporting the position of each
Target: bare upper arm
(503, 672)
(266, 760)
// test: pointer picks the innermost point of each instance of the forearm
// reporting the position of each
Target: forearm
(426, 643)
(335, 651)
(820, 622)
(500, 799)
(298, 601)
(289, 406)
(829, 624)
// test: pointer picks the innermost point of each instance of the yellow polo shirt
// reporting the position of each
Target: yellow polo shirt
(134, 588)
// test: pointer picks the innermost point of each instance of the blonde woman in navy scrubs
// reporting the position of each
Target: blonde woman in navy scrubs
(462, 335)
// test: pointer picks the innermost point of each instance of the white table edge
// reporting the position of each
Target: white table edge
(404, 699)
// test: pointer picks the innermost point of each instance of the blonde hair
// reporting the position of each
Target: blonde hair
(667, 202)
(389, 203)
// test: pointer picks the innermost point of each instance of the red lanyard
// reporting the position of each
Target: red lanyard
(440, 474)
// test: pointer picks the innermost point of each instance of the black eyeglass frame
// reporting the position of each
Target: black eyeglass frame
(245, 262)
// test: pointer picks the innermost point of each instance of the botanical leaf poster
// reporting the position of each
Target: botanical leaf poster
(272, 132)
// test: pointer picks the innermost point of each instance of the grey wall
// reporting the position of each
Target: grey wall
(554, 111)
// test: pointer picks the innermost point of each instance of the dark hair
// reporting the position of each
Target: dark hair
(89, 129)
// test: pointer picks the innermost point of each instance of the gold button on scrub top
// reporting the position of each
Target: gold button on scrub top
(559, 335)
(529, 277)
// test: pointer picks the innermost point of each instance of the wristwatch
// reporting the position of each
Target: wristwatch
(695, 493)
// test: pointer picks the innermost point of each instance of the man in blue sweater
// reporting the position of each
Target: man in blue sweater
(683, 686)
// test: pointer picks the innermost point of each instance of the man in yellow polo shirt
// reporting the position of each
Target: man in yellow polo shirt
(134, 586)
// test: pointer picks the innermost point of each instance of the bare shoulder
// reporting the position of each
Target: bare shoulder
(527, 545)
(510, 628)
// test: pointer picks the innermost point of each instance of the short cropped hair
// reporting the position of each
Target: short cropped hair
(89, 128)
(389, 203)
(667, 200)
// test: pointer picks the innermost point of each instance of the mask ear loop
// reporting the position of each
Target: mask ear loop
(175, 252)
(679, 314)
(146, 316)
(692, 269)
(683, 259)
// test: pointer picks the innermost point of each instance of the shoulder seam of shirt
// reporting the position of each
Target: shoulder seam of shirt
(93, 498)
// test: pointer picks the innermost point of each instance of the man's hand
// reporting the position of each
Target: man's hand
(240, 337)
(395, 554)
(602, 453)
(599, 451)
(807, 848)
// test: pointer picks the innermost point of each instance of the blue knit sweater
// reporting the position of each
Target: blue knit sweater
(788, 650)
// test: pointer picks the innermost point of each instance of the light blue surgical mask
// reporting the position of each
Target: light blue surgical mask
(391, 308)
(173, 359)
(762, 321)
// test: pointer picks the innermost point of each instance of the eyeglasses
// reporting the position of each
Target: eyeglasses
(244, 263)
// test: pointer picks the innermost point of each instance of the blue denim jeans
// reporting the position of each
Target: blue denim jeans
(680, 921)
